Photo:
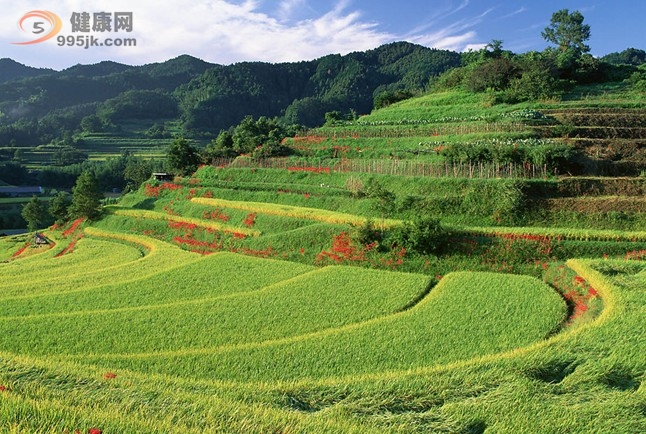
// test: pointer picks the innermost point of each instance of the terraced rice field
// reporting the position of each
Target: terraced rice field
(124, 316)
(116, 330)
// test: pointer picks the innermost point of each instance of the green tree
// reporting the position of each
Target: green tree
(386, 98)
(18, 156)
(424, 234)
(493, 74)
(308, 111)
(182, 158)
(494, 48)
(137, 171)
(630, 56)
(34, 213)
(383, 199)
(158, 131)
(14, 173)
(58, 206)
(220, 147)
(91, 124)
(333, 117)
(86, 197)
(251, 135)
(567, 31)
(68, 155)
(539, 78)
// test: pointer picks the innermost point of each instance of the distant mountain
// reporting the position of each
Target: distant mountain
(12, 70)
(304, 91)
(174, 72)
(186, 65)
(96, 70)
(205, 97)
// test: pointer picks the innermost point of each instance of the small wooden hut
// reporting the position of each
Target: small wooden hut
(40, 239)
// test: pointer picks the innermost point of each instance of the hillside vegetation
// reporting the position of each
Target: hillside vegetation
(204, 97)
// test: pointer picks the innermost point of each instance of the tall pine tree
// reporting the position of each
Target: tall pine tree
(34, 213)
(86, 197)
(58, 206)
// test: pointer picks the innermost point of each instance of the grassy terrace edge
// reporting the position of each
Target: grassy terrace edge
(316, 214)
(155, 215)
(323, 215)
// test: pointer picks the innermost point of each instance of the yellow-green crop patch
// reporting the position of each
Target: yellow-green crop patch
(208, 278)
(467, 315)
(154, 215)
(291, 211)
(93, 255)
(349, 351)
(235, 312)
(161, 257)
(565, 233)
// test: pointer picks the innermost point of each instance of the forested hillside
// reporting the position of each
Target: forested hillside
(12, 70)
(203, 97)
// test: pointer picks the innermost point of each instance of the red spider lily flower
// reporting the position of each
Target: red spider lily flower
(73, 227)
(94, 431)
(636, 254)
(217, 214)
(592, 292)
(19, 251)
(579, 308)
(69, 248)
(3, 388)
(181, 225)
(571, 295)
(149, 190)
(249, 220)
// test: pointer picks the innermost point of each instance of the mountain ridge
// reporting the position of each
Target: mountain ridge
(211, 97)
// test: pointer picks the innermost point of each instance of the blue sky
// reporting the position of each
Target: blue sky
(229, 31)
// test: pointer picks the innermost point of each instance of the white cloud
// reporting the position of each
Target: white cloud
(446, 41)
(474, 47)
(287, 8)
(514, 13)
(457, 36)
(221, 31)
(439, 15)
(216, 30)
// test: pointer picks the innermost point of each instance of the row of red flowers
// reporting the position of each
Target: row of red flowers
(636, 255)
(307, 139)
(73, 227)
(216, 215)
(20, 250)
(250, 220)
(155, 191)
(70, 247)
(576, 291)
(345, 250)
